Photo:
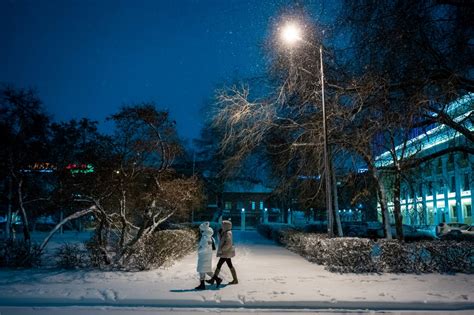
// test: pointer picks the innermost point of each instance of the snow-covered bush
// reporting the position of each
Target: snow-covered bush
(276, 232)
(364, 255)
(19, 254)
(395, 256)
(71, 256)
(158, 249)
(350, 255)
(448, 256)
(425, 256)
(338, 254)
(163, 248)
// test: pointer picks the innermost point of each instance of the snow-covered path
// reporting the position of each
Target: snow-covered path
(270, 277)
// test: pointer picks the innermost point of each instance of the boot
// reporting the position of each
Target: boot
(234, 276)
(215, 278)
(201, 286)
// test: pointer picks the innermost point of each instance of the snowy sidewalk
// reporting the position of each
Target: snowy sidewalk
(270, 276)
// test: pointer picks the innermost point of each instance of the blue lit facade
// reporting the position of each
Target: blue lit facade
(440, 190)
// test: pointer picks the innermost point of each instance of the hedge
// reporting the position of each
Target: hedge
(361, 255)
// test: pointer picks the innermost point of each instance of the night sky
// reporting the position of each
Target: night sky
(87, 58)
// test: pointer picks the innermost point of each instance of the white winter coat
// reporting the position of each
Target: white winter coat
(204, 264)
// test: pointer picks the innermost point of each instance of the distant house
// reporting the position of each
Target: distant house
(251, 198)
(235, 198)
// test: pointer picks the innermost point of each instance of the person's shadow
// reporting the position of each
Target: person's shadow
(210, 288)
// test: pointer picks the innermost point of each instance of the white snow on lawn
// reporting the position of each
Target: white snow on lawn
(269, 276)
(81, 310)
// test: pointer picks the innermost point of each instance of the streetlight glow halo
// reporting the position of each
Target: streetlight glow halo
(291, 33)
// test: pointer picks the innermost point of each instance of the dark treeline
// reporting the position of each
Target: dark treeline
(125, 181)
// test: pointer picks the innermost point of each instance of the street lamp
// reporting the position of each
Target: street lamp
(291, 34)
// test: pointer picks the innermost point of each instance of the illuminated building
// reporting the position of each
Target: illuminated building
(440, 189)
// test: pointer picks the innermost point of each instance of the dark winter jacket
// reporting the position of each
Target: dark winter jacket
(226, 248)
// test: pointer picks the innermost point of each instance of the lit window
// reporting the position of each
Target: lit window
(228, 205)
(261, 205)
(253, 205)
(465, 182)
(468, 211)
(455, 211)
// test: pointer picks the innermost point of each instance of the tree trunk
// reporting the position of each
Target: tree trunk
(336, 203)
(24, 218)
(397, 207)
(382, 199)
(100, 237)
(64, 221)
(8, 227)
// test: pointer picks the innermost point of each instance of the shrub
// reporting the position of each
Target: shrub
(18, 254)
(162, 248)
(364, 255)
(71, 256)
(394, 256)
(338, 254)
(276, 232)
(96, 257)
(451, 256)
(350, 255)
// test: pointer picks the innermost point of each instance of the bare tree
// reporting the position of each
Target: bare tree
(138, 190)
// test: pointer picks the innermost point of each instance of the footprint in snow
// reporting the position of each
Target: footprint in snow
(217, 298)
(438, 295)
(241, 298)
(464, 297)
(108, 295)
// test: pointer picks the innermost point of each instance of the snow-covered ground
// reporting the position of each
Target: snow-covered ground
(270, 276)
(106, 310)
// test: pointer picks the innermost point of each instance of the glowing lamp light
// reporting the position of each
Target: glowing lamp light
(266, 209)
(291, 33)
(243, 209)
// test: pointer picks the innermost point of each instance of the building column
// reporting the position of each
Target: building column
(434, 192)
(447, 212)
(415, 207)
(457, 181)
(436, 213)
(407, 209)
(242, 219)
(423, 205)
(471, 181)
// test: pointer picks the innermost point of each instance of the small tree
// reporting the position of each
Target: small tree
(138, 190)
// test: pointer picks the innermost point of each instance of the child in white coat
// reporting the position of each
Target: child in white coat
(204, 265)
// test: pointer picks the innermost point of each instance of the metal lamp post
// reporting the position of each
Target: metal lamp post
(291, 34)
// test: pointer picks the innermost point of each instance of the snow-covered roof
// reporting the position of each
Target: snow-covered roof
(246, 187)
(441, 134)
